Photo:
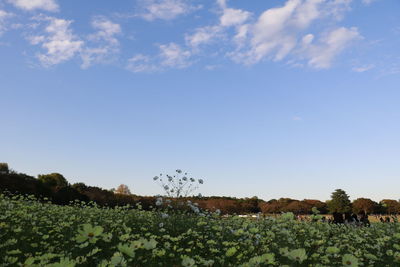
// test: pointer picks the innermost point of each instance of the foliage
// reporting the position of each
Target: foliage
(390, 206)
(53, 180)
(292, 205)
(4, 168)
(123, 189)
(339, 202)
(58, 193)
(34, 233)
(365, 205)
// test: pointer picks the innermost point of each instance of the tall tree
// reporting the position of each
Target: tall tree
(364, 205)
(122, 189)
(339, 202)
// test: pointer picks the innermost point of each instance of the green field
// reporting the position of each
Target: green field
(36, 233)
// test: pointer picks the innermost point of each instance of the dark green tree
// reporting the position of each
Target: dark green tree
(81, 187)
(53, 180)
(339, 202)
(4, 168)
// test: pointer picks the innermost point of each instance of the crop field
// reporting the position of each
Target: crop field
(36, 233)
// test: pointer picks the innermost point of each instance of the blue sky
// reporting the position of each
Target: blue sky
(259, 98)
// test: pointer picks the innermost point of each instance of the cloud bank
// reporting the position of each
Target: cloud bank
(302, 33)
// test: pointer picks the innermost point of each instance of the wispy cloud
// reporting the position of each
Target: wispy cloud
(60, 44)
(174, 56)
(297, 118)
(164, 9)
(203, 35)
(368, 2)
(103, 44)
(212, 67)
(170, 56)
(280, 32)
(141, 63)
(4, 16)
(228, 17)
(29, 5)
(58, 41)
(231, 16)
(321, 55)
(271, 34)
(284, 33)
(363, 68)
(390, 69)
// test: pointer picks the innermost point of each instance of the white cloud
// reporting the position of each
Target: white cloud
(335, 41)
(106, 30)
(363, 68)
(233, 17)
(35, 40)
(165, 9)
(307, 12)
(285, 32)
(278, 34)
(203, 35)
(170, 56)
(229, 17)
(104, 42)
(337, 8)
(269, 32)
(94, 55)
(48, 5)
(4, 16)
(307, 39)
(275, 32)
(141, 63)
(58, 41)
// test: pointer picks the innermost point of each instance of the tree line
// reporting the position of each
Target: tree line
(57, 189)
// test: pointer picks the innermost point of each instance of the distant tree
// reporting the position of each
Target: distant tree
(123, 190)
(275, 206)
(249, 205)
(79, 186)
(321, 206)
(19, 183)
(339, 202)
(53, 180)
(298, 207)
(364, 205)
(390, 206)
(285, 200)
(272, 206)
(4, 168)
